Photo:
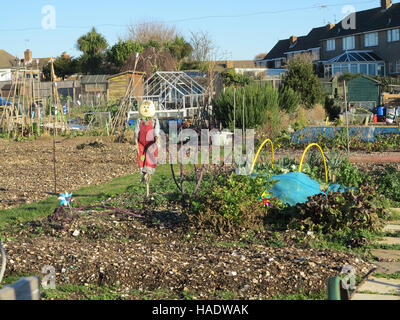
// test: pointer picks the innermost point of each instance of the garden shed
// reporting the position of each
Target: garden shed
(364, 92)
(94, 88)
(118, 84)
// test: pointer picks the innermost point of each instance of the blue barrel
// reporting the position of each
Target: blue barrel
(381, 111)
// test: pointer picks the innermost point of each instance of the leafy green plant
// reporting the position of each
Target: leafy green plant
(233, 204)
(347, 174)
(388, 183)
(356, 210)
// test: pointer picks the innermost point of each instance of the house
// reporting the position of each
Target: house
(7, 64)
(34, 66)
(287, 49)
(221, 66)
(28, 66)
(118, 83)
(372, 48)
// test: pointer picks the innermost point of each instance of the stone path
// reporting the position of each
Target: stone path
(388, 263)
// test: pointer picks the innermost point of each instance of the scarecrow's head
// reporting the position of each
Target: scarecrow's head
(147, 109)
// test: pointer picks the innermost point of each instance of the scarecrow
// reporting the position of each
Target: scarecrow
(147, 131)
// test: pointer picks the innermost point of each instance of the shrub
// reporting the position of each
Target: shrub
(302, 79)
(357, 210)
(389, 183)
(289, 100)
(259, 101)
(231, 78)
(232, 205)
(332, 108)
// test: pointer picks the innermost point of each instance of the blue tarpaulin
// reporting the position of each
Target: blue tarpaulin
(296, 187)
(4, 102)
(310, 134)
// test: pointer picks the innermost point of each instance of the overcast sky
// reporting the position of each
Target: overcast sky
(241, 29)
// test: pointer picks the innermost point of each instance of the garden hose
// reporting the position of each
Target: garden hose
(258, 153)
(3, 262)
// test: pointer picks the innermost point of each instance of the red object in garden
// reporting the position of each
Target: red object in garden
(147, 147)
(375, 118)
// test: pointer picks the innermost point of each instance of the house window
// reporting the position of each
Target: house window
(393, 35)
(330, 45)
(394, 67)
(371, 39)
(354, 68)
(381, 69)
(348, 43)
(363, 68)
(315, 54)
(372, 69)
(336, 69)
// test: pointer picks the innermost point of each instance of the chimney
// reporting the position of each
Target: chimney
(330, 26)
(293, 40)
(386, 4)
(27, 56)
(229, 64)
(65, 55)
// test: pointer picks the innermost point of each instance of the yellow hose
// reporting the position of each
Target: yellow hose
(258, 153)
(322, 152)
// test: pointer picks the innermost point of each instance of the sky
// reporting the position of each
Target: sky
(240, 29)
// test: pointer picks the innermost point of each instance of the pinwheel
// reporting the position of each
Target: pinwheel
(265, 199)
(65, 199)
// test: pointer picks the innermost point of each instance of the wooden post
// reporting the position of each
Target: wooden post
(234, 109)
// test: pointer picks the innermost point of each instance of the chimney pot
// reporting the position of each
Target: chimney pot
(386, 4)
(27, 56)
(330, 26)
(229, 64)
(293, 39)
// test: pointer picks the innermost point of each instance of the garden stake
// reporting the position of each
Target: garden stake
(334, 288)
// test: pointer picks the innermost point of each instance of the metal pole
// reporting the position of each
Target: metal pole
(347, 117)
(244, 126)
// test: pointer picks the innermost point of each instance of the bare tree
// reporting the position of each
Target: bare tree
(260, 56)
(146, 31)
(207, 55)
(204, 49)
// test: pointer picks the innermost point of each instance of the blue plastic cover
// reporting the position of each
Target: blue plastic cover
(296, 187)
(4, 102)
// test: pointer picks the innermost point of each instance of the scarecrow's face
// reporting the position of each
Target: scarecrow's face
(147, 109)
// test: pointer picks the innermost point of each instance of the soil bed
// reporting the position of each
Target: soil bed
(162, 252)
(27, 174)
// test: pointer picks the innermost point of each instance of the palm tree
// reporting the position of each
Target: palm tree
(93, 45)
